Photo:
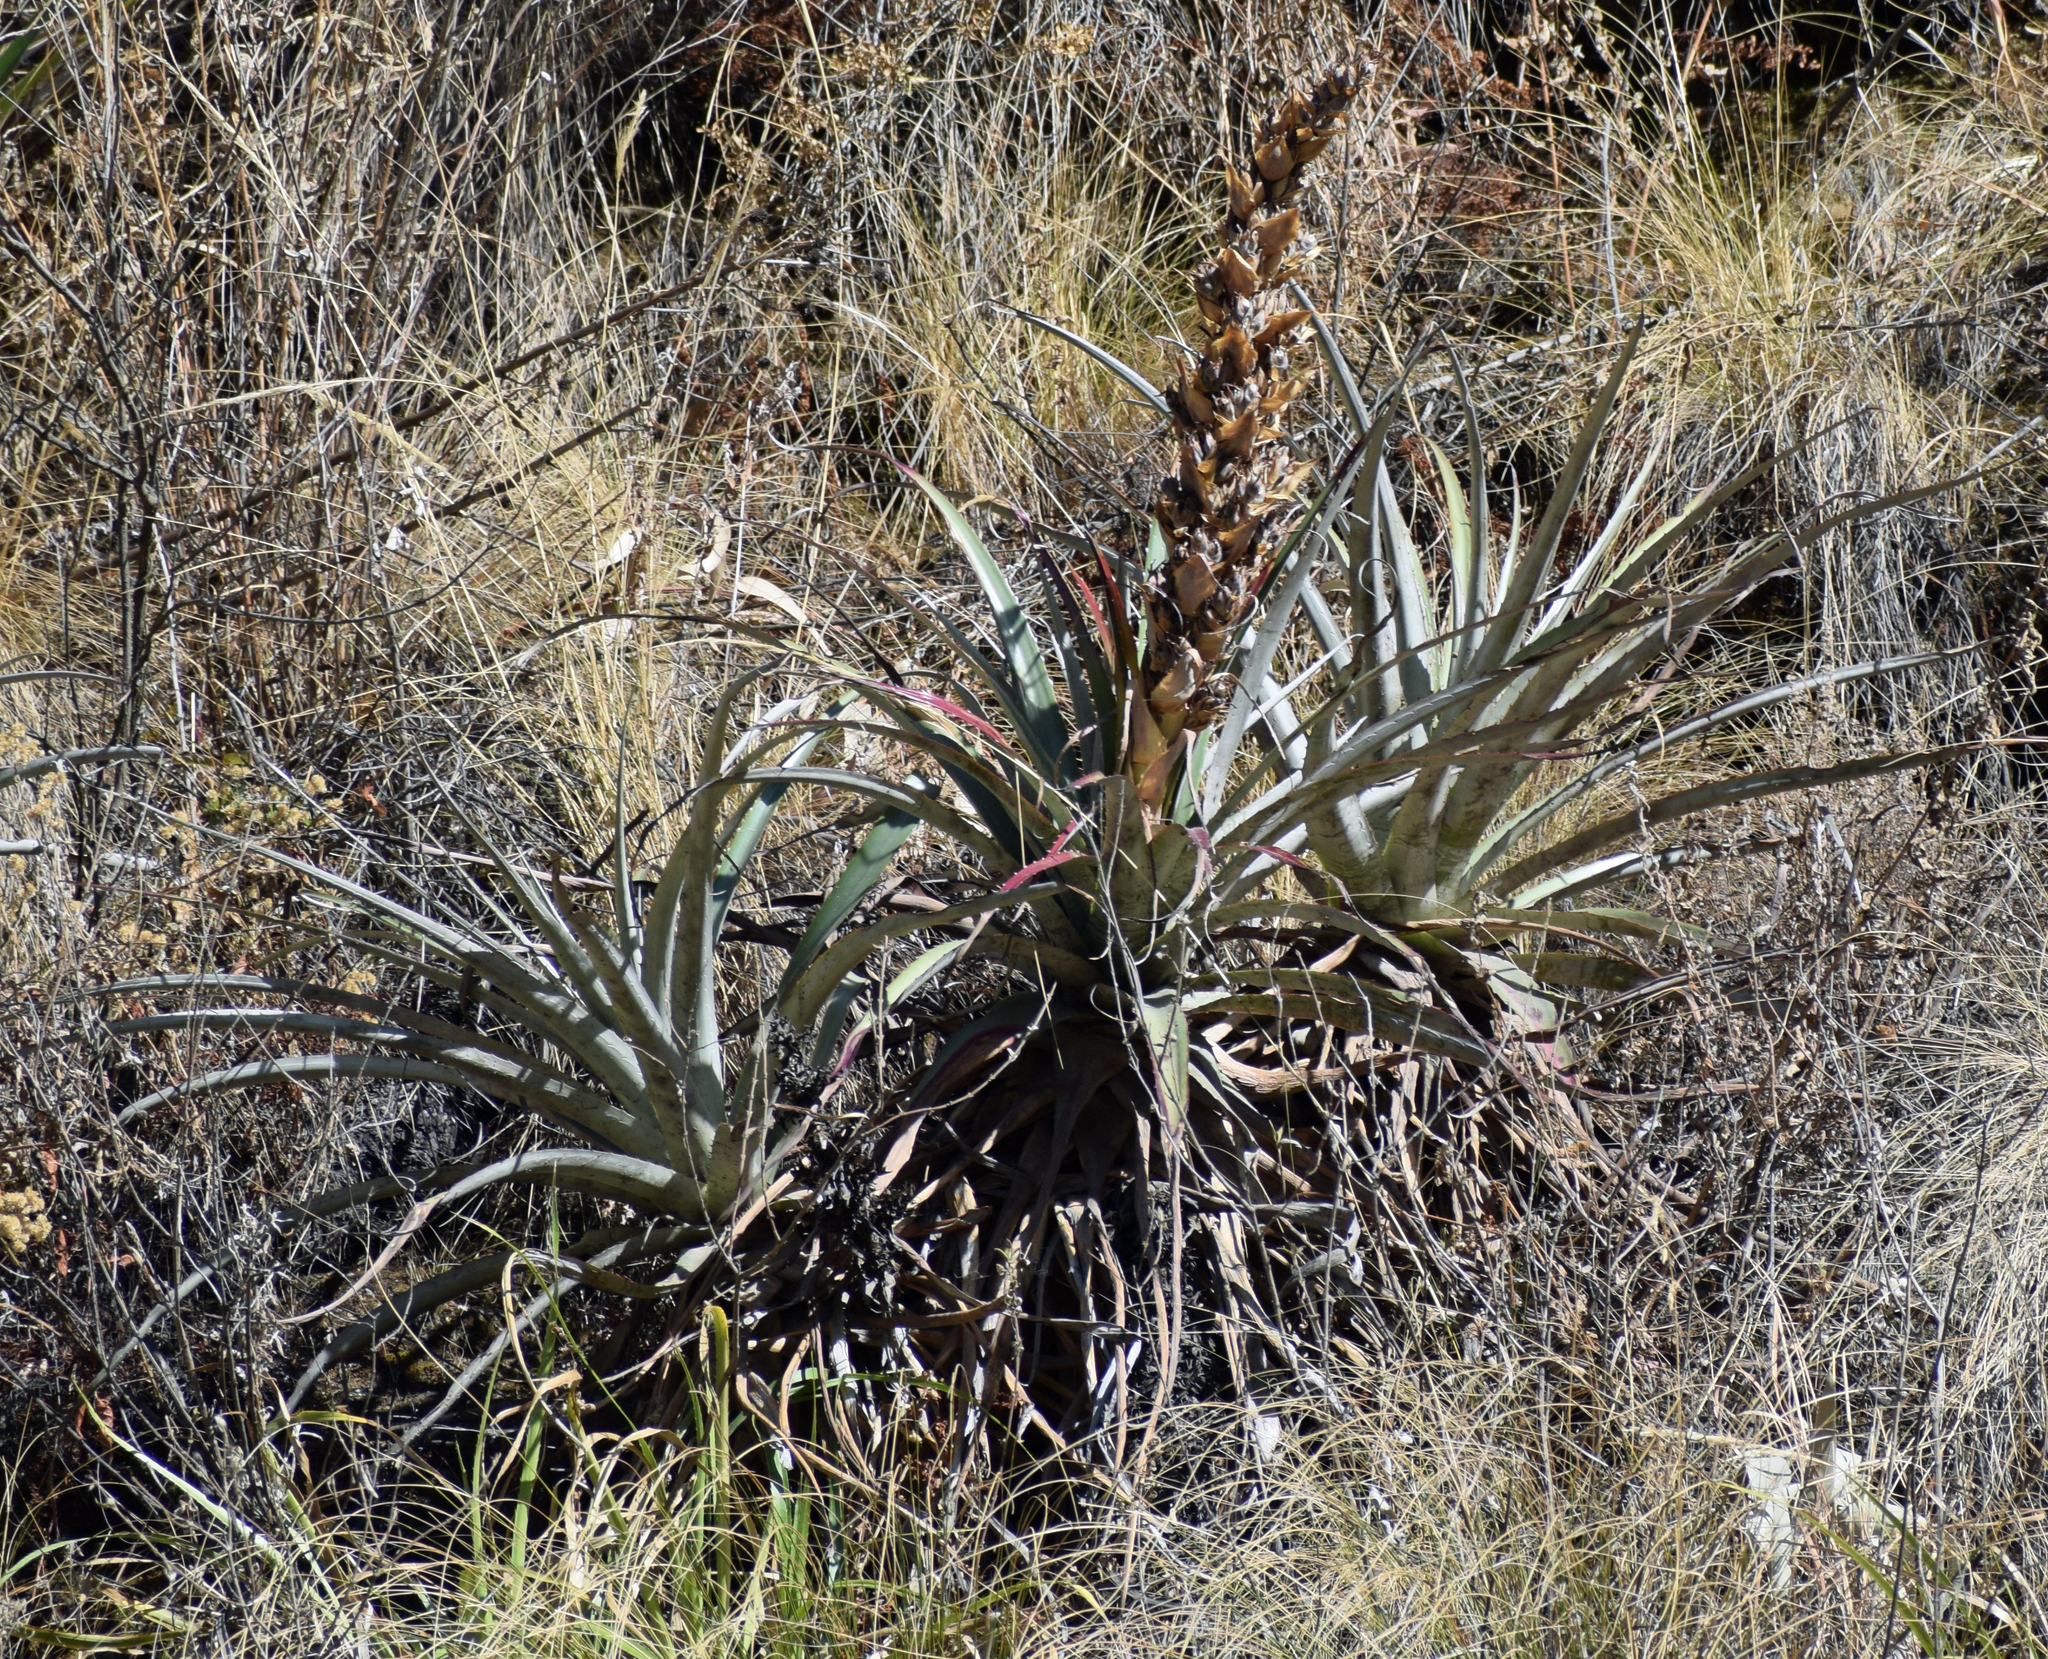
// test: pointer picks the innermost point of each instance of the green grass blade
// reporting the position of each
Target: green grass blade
(11, 54)
(18, 84)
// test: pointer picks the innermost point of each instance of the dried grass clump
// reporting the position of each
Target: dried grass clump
(346, 496)
(1516, 1505)
(1536, 1508)
(1862, 306)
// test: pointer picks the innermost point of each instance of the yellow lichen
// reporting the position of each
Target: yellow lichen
(23, 1225)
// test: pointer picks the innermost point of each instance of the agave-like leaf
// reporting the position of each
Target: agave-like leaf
(1006, 793)
(651, 1186)
(495, 1068)
(296, 1068)
(1479, 520)
(1359, 763)
(1340, 365)
(1522, 881)
(1039, 960)
(1322, 917)
(603, 1248)
(1040, 724)
(14, 50)
(1534, 561)
(863, 873)
(692, 864)
(1593, 560)
(935, 812)
(1294, 568)
(663, 1060)
(630, 1004)
(999, 685)
(1310, 742)
(1423, 666)
(543, 1005)
(564, 944)
(1116, 365)
(1164, 1014)
(1507, 833)
(1606, 871)
(1097, 688)
(20, 78)
(1346, 1001)
(805, 999)
(1584, 923)
(1462, 551)
(687, 912)
(1581, 970)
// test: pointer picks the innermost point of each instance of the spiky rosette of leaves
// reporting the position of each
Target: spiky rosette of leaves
(1329, 912)
(604, 1029)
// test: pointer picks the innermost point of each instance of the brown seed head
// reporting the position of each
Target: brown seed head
(1234, 483)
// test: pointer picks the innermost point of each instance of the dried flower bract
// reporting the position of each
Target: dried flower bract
(1234, 481)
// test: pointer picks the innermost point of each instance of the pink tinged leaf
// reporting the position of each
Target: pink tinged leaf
(1102, 627)
(1126, 641)
(900, 1150)
(1055, 856)
(990, 1045)
(926, 699)
(1546, 1057)
(849, 1051)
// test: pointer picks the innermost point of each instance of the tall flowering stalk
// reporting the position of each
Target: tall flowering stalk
(1222, 506)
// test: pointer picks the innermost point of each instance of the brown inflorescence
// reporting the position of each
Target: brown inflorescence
(1221, 507)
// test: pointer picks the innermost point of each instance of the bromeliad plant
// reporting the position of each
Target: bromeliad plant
(606, 1032)
(1256, 816)
(1284, 801)
(1399, 789)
